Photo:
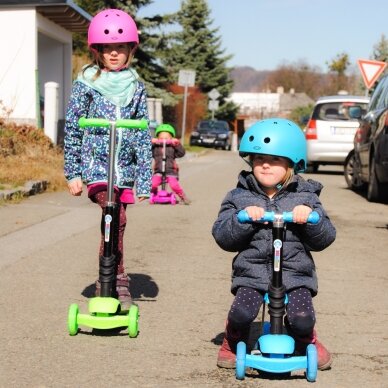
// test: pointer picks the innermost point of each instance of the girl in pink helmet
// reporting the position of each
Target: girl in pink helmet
(109, 88)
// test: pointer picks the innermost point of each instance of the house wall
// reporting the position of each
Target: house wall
(256, 103)
(54, 59)
(18, 64)
(39, 52)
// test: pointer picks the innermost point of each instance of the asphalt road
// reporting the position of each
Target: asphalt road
(181, 282)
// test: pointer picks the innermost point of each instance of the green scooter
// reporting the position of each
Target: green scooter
(104, 311)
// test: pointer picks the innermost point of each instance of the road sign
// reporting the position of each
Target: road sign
(214, 94)
(186, 78)
(370, 70)
(213, 105)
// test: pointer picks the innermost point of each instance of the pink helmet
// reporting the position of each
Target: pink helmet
(112, 26)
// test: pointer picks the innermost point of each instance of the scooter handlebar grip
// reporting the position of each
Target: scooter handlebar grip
(243, 217)
(122, 123)
(126, 123)
(84, 122)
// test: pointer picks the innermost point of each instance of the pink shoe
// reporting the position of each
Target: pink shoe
(227, 354)
(324, 356)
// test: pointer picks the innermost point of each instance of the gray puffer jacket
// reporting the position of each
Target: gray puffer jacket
(253, 242)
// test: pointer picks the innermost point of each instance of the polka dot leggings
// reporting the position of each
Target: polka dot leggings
(118, 227)
(300, 310)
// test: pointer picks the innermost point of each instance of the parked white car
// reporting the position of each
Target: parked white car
(330, 130)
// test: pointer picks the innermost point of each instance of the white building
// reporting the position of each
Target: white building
(256, 106)
(36, 41)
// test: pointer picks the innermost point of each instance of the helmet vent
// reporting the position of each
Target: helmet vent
(267, 140)
(106, 32)
(120, 31)
(251, 138)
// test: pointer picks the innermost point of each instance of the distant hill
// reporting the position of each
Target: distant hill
(247, 79)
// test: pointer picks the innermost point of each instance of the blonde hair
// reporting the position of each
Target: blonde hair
(98, 58)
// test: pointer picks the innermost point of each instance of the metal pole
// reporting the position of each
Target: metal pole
(184, 116)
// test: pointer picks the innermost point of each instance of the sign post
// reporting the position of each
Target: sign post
(370, 71)
(186, 79)
(213, 103)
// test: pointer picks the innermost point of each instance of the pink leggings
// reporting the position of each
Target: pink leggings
(118, 227)
(171, 180)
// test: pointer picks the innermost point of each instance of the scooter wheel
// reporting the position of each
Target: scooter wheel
(240, 360)
(72, 324)
(312, 363)
(133, 318)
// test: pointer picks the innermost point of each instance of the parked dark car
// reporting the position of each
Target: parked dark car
(212, 133)
(367, 164)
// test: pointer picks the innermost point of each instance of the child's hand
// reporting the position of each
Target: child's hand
(155, 140)
(175, 142)
(301, 213)
(75, 187)
(255, 212)
(141, 199)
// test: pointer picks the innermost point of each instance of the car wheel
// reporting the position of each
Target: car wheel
(377, 192)
(352, 172)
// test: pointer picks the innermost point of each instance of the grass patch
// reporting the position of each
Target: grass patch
(27, 154)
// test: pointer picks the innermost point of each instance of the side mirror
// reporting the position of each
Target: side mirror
(355, 112)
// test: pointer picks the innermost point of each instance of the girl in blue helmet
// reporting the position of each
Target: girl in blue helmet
(275, 149)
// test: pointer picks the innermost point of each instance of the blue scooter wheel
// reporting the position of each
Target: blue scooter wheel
(72, 324)
(240, 360)
(312, 363)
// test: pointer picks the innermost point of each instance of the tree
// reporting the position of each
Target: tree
(299, 76)
(198, 47)
(380, 51)
(338, 67)
(146, 60)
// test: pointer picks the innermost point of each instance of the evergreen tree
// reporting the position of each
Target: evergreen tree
(197, 47)
(380, 51)
(146, 59)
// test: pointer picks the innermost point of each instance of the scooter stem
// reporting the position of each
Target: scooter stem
(276, 289)
(107, 261)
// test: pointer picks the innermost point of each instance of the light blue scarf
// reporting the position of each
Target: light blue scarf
(116, 86)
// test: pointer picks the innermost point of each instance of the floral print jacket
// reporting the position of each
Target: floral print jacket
(87, 149)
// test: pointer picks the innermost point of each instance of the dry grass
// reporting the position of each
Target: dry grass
(27, 154)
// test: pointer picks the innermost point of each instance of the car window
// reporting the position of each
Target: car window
(383, 100)
(335, 111)
(218, 126)
(376, 100)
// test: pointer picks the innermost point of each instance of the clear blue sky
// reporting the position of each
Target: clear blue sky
(266, 33)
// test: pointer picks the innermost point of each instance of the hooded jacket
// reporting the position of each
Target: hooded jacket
(252, 266)
(86, 149)
(173, 151)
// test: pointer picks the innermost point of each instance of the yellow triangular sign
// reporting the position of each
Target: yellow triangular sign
(370, 70)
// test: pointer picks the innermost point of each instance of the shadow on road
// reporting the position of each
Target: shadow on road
(142, 287)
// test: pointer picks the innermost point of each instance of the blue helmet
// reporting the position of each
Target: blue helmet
(276, 136)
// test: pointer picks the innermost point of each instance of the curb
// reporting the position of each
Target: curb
(30, 188)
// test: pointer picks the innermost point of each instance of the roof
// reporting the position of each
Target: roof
(63, 12)
(343, 97)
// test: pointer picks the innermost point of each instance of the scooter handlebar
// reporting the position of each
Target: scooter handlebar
(121, 123)
(243, 217)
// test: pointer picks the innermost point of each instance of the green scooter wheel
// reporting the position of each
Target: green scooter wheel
(72, 324)
(133, 317)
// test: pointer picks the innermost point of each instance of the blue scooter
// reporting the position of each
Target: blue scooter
(275, 349)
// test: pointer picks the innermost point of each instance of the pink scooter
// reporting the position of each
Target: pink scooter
(163, 196)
